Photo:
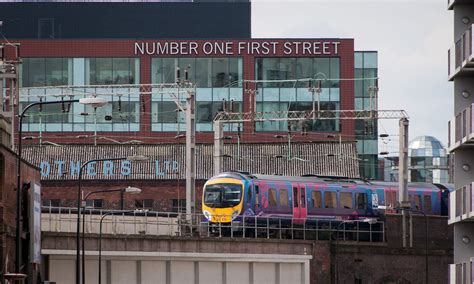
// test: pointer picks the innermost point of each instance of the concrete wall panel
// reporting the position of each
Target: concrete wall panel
(124, 272)
(290, 273)
(238, 273)
(210, 272)
(62, 271)
(264, 273)
(182, 272)
(153, 272)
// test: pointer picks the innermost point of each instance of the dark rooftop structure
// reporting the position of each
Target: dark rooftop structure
(125, 19)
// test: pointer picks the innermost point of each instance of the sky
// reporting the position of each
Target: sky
(412, 38)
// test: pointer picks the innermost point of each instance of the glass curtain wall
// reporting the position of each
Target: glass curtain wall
(295, 95)
(120, 114)
(217, 79)
(365, 99)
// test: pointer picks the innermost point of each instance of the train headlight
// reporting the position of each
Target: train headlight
(235, 214)
(207, 214)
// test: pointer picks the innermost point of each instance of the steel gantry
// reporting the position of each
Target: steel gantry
(401, 115)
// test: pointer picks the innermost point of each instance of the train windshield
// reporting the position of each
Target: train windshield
(222, 195)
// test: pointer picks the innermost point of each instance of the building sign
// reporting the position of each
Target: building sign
(71, 169)
(256, 47)
(35, 223)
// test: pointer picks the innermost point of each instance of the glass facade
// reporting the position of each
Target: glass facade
(295, 96)
(365, 98)
(217, 79)
(38, 72)
(122, 113)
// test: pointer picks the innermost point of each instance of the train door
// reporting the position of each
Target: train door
(299, 203)
(257, 198)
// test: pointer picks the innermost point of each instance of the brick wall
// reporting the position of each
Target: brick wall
(161, 191)
(8, 183)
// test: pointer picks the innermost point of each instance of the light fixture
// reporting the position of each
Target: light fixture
(465, 20)
(465, 94)
(93, 101)
(466, 167)
(132, 190)
(466, 239)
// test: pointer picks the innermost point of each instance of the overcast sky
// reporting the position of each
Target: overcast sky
(411, 36)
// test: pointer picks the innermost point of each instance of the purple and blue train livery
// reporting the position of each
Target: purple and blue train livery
(232, 195)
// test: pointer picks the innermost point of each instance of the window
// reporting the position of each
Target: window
(295, 197)
(346, 200)
(330, 199)
(38, 72)
(95, 203)
(144, 203)
(316, 198)
(283, 96)
(216, 79)
(362, 201)
(303, 198)
(52, 202)
(272, 197)
(283, 197)
(417, 204)
(109, 71)
(178, 205)
(427, 203)
(390, 198)
(249, 194)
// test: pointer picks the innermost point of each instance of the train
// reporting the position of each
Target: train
(231, 196)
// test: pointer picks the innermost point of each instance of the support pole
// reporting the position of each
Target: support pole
(403, 175)
(218, 145)
(190, 154)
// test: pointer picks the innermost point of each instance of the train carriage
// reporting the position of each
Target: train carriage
(231, 196)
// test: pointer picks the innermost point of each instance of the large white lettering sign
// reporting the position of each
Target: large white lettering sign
(323, 47)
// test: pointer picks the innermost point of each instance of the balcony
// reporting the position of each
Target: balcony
(460, 56)
(451, 3)
(460, 273)
(460, 132)
(461, 204)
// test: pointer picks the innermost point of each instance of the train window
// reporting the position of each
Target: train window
(390, 198)
(316, 198)
(427, 203)
(346, 200)
(303, 199)
(361, 199)
(283, 197)
(330, 200)
(249, 194)
(418, 202)
(295, 197)
(257, 195)
(272, 197)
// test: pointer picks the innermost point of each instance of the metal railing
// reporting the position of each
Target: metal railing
(177, 224)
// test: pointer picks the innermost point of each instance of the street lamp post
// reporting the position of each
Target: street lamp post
(426, 232)
(129, 189)
(79, 199)
(18, 175)
(100, 237)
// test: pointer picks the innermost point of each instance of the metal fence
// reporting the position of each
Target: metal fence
(120, 222)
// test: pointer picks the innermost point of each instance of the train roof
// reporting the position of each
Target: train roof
(328, 180)
(304, 178)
